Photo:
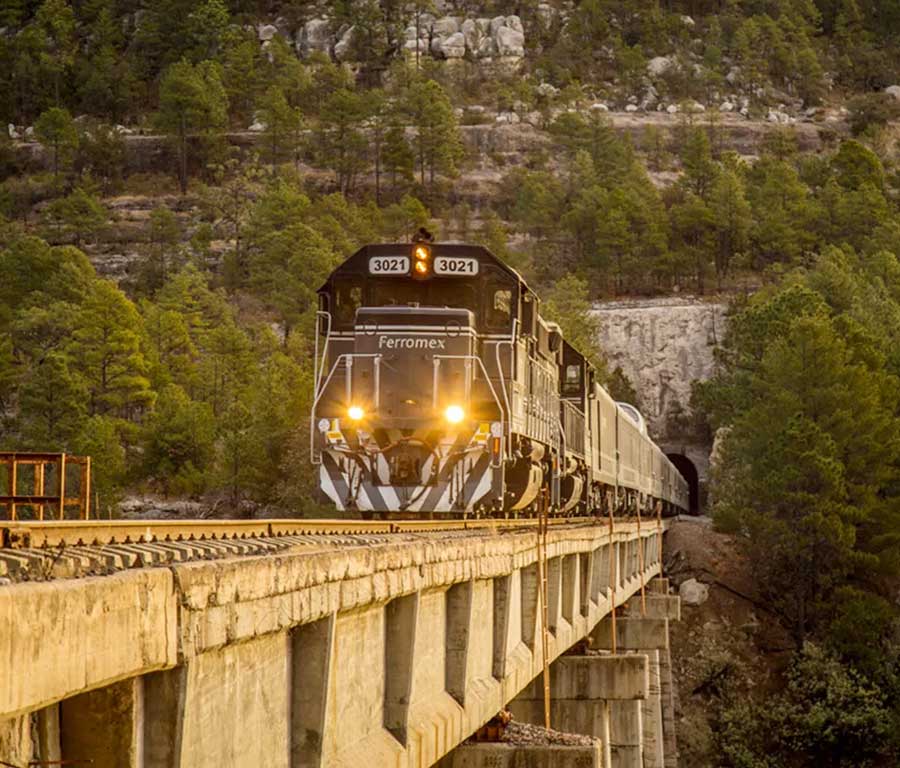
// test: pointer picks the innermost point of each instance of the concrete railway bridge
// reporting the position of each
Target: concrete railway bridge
(302, 644)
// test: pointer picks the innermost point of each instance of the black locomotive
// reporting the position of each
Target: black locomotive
(441, 391)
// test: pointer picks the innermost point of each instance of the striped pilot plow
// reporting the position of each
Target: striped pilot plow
(455, 475)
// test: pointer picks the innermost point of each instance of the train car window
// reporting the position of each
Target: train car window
(499, 308)
(347, 299)
(572, 382)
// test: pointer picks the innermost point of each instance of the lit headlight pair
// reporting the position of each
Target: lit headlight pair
(454, 414)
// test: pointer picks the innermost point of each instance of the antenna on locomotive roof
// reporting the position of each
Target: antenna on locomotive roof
(423, 236)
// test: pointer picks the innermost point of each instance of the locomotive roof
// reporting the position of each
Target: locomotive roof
(358, 263)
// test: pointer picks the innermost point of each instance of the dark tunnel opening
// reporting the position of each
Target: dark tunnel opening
(684, 465)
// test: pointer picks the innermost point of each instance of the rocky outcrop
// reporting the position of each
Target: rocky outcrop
(447, 37)
(663, 346)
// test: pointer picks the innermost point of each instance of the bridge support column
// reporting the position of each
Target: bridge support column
(595, 695)
(33, 736)
(648, 636)
(227, 706)
(102, 727)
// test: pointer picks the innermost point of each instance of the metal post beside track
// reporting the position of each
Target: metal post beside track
(545, 612)
(640, 543)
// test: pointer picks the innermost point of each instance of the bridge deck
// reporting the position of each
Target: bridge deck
(342, 648)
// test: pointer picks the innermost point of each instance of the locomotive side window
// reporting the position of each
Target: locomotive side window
(498, 310)
(347, 299)
(572, 383)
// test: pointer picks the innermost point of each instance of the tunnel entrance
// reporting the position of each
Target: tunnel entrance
(684, 465)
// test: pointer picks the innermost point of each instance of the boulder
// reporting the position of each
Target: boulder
(445, 26)
(672, 109)
(547, 90)
(410, 46)
(315, 35)
(726, 106)
(659, 65)
(497, 23)
(509, 118)
(410, 33)
(514, 22)
(893, 90)
(693, 592)
(471, 33)
(454, 47)
(599, 106)
(29, 132)
(546, 13)
(343, 48)
(486, 48)
(258, 126)
(687, 21)
(266, 32)
(631, 108)
(13, 133)
(509, 42)
(484, 25)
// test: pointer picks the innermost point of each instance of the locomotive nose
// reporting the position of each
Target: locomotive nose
(413, 365)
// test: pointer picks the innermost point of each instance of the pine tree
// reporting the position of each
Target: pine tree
(191, 100)
(51, 403)
(437, 143)
(339, 141)
(80, 216)
(56, 129)
(731, 217)
(106, 349)
(568, 304)
(178, 442)
(282, 123)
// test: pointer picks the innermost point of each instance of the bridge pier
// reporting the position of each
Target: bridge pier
(594, 695)
(659, 605)
(523, 756)
(649, 635)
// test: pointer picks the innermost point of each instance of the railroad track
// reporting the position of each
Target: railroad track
(20, 534)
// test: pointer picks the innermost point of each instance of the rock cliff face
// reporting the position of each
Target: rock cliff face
(663, 346)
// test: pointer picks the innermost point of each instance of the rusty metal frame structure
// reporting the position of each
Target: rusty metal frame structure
(39, 499)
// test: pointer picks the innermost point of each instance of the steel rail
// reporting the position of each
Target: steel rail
(21, 534)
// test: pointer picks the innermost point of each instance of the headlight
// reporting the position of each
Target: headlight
(355, 413)
(454, 414)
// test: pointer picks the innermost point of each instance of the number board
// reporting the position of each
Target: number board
(389, 265)
(446, 265)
